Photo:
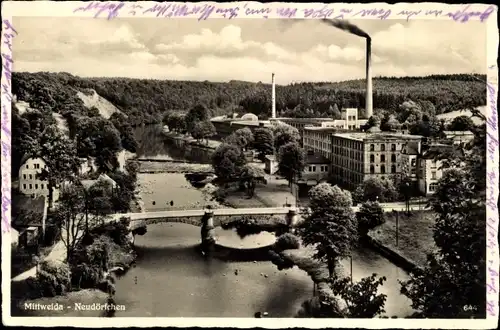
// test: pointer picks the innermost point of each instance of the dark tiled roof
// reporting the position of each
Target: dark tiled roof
(27, 211)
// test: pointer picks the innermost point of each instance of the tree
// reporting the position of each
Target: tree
(461, 123)
(263, 142)
(121, 123)
(245, 137)
(373, 121)
(291, 161)
(70, 215)
(99, 199)
(375, 189)
(389, 123)
(283, 134)
(59, 154)
(455, 274)
(196, 114)
(95, 135)
(175, 121)
(203, 130)
(228, 161)
(362, 298)
(330, 225)
(369, 216)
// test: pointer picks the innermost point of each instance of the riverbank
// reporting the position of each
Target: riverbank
(153, 167)
(54, 283)
(415, 238)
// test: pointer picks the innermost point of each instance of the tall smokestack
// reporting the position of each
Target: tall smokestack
(273, 99)
(369, 92)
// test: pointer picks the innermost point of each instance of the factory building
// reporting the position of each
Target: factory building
(357, 156)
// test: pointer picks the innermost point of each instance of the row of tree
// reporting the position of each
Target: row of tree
(146, 101)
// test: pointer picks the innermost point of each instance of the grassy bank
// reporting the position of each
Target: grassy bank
(415, 235)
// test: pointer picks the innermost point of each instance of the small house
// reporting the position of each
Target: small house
(28, 218)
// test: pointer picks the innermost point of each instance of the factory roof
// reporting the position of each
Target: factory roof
(363, 136)
(306, 119)
(321, 129)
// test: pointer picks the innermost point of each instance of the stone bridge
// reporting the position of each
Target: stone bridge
(211, 217)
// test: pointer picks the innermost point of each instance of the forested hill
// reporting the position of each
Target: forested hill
(147, 100)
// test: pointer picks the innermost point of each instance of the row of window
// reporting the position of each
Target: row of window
(432, 186)
(382, 158)
(30, 176)
(382, 147)
(323, 168)
(35, 166)
(31, 186)
(382, 169)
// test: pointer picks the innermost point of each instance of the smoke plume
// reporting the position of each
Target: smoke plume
(346, 26)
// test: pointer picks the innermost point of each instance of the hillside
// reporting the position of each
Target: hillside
(457, 113)
(147, 100)
(92, 99)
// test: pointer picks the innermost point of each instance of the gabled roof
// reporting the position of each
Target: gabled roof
(27, 211)
(103, 177)
(25, 158)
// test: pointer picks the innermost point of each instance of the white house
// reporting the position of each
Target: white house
(29, 182)
(430, 168)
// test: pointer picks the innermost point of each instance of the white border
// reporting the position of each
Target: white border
(358, 11)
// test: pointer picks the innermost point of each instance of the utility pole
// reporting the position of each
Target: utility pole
(397, 229)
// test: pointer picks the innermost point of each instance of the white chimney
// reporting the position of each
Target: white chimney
(369, 92)
(273, 99)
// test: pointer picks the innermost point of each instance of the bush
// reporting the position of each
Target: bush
(54, 278)
(278, 260)
(141, 228)
(286, 241)
(84, 276)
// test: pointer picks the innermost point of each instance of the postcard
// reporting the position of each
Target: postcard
(249, 164)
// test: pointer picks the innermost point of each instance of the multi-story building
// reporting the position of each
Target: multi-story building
(429, 166)
(29, 181)
(318, 140)
(359, 155)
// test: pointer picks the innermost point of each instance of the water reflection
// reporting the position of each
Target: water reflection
(171, 279)
(153, 144)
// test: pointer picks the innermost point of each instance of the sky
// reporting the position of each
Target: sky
(245, 49)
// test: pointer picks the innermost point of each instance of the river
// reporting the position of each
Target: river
(171, 279)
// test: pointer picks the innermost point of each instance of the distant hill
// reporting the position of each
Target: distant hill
(147, 100)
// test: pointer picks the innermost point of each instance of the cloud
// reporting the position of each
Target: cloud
(246, 49)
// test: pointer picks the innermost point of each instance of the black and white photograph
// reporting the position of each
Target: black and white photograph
(250, 168)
